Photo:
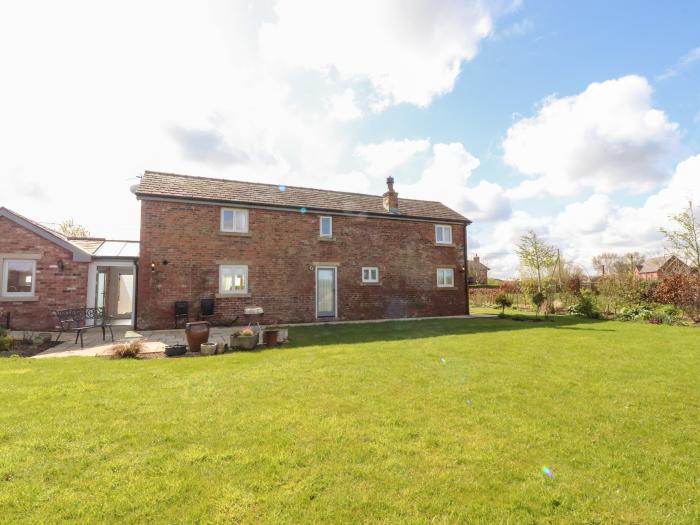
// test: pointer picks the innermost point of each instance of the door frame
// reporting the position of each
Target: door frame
(92, 278)
(335, 290)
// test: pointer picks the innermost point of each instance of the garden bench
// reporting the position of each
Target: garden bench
(74, 320)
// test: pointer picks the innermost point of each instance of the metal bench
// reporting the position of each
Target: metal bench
(74, 320)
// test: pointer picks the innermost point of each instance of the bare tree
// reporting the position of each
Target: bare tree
(70, 229)
(629, 262)
(536, 255)
(606, 263)
(685, 237)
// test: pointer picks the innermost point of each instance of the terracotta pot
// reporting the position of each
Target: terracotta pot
(197, 333)
(270, 337)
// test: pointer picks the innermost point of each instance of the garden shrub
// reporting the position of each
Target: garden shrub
(585, 307)
(504, 302)
(6, 341)
(636, 313)
(682, 291)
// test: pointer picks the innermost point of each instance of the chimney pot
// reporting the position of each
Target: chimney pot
(390, 199)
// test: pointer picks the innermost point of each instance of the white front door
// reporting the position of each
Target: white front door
(326, 294)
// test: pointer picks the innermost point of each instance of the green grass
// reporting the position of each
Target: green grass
(408, 422)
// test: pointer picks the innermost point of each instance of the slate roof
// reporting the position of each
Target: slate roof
(169, 185)
(654, 264)
(479, 264)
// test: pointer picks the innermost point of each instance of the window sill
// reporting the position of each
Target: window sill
(446, 245)
(231, 295)
(327, 239)
(19, 299)
(445, 287)
(236, 234)
(371, 284)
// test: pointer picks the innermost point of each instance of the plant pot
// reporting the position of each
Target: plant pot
(208, 348)
(221, 348)
(244, 342)
(197, 333)
(173, 350)
(270, 337)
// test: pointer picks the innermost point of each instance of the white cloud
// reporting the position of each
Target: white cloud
(407, 51)
(685, 62)
(382, 158)
(444, 173)
(606, 138)
(343, 106)
(597, 224)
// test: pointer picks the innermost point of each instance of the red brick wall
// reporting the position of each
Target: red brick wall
(280, 250)
(55, 289)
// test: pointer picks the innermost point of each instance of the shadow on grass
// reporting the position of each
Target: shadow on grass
(418, 329)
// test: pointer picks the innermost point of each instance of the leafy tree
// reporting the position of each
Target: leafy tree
(504, 302)
(685, 237)
(606, 263)
(70, 229)
(536, 255)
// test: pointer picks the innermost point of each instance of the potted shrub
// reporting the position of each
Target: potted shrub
(208, 348)
(245, 339)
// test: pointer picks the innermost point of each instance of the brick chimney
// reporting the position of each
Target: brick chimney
(390, 199)
(476, 259)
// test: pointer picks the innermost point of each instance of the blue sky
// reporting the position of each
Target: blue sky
(579, 120)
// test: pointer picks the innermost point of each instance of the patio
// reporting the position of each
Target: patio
(155, 341)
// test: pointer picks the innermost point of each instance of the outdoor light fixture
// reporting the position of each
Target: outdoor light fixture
(153, 267)
(61, 265)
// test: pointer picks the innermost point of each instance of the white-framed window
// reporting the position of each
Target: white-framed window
(445, 277)
(234, 220)
(233, 279)
(443, 234)
(325, 225)
(18, 278)
(370, 274)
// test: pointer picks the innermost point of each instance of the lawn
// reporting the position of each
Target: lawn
(406, 422)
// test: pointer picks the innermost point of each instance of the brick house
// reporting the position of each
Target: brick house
(301, 254)
(42, 271)
(478, 271)
(655, 268)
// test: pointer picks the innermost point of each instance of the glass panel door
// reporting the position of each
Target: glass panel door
(325, 292)
(100, 288)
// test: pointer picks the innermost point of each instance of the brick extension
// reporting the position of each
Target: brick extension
(55, 289)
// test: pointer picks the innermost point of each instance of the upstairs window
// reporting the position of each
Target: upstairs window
(18, 278)
(445, 277)
(443, 234)
(233, 279)
(326, 227)
(234, 221)
(370, 274)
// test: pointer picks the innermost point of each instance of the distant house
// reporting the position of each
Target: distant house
(478, 271)
(655, 268)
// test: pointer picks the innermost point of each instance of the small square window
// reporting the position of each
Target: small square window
(234, 220)
(445, 277)
(326, 227)
(443, 234)
(370, 274)
(18, 278)
(233, 279)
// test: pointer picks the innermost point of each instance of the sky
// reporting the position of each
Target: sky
(578, 120)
